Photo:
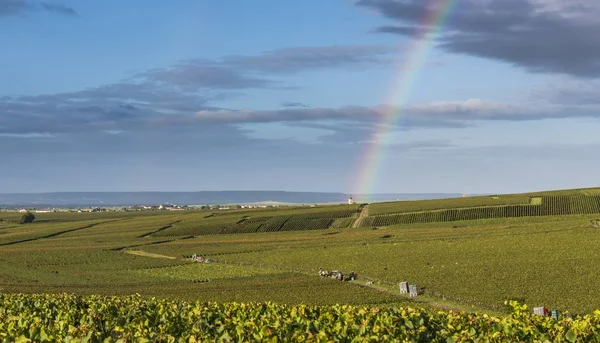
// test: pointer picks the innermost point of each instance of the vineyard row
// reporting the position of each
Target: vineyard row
(551, 205)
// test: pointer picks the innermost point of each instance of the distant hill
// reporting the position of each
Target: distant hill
(76, 199)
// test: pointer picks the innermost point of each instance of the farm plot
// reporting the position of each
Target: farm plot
(236, 223)
(542, 206)
(479, 264)
(440, 204)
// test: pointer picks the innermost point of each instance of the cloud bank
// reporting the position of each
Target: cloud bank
(541, 36)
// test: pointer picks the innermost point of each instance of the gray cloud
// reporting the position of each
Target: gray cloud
(13, 7)
(167, 97)
(58, 8)
(293, 104)
(16, 7)
(557, 36)
(184, 97)
(111, 107)
(198, 74)
(240, 72)
(132, 107)
(570, 93)
(448, 114)
(318, 57)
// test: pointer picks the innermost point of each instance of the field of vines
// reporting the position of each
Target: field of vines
(69, 318)
(450, 203)
(204, 271)
(241, 222)
(550, 205)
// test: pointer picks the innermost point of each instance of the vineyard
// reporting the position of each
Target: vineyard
(442, 204)
(49, 318)
(232, 223)
(536, 206)
(540, 249)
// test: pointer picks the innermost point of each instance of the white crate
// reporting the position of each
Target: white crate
(412, 290)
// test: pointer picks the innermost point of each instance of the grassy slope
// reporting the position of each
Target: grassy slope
(548, 261)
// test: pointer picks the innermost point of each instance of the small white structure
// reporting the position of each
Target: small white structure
(404, 287)
(412, 289)
(350, 200)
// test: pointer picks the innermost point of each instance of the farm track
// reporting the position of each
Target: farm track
(55, 234)
(364, 213)
(147, 254)
(168, 226)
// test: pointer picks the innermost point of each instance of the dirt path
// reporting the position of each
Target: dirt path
(361, 217)
(147, 254)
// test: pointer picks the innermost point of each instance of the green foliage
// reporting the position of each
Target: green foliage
(246, 221)
(478, 208)
(442, 204)
(49, 318)
(210, 271)
(27, 218)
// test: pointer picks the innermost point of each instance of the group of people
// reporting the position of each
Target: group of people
(338, 275)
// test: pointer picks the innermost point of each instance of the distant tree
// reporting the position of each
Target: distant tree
(27, 218)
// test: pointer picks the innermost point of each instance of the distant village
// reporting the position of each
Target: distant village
(161, 207)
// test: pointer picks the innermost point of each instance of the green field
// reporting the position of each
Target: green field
(468, 253)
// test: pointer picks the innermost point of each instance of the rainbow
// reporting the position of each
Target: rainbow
(371, 162)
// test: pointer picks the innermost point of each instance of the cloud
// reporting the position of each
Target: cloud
(293, 104)
(27, 135)
(127, 107)
(58, 8)
(444, 114)
(186, 97)
(17, 7)
(110, 107)
(247, 71)
(170, 97)
(13, 7)
(570, 93)
(197, 74)
(291, 60)
(542, 36)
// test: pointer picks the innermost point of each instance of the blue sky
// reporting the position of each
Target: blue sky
(286, 95)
